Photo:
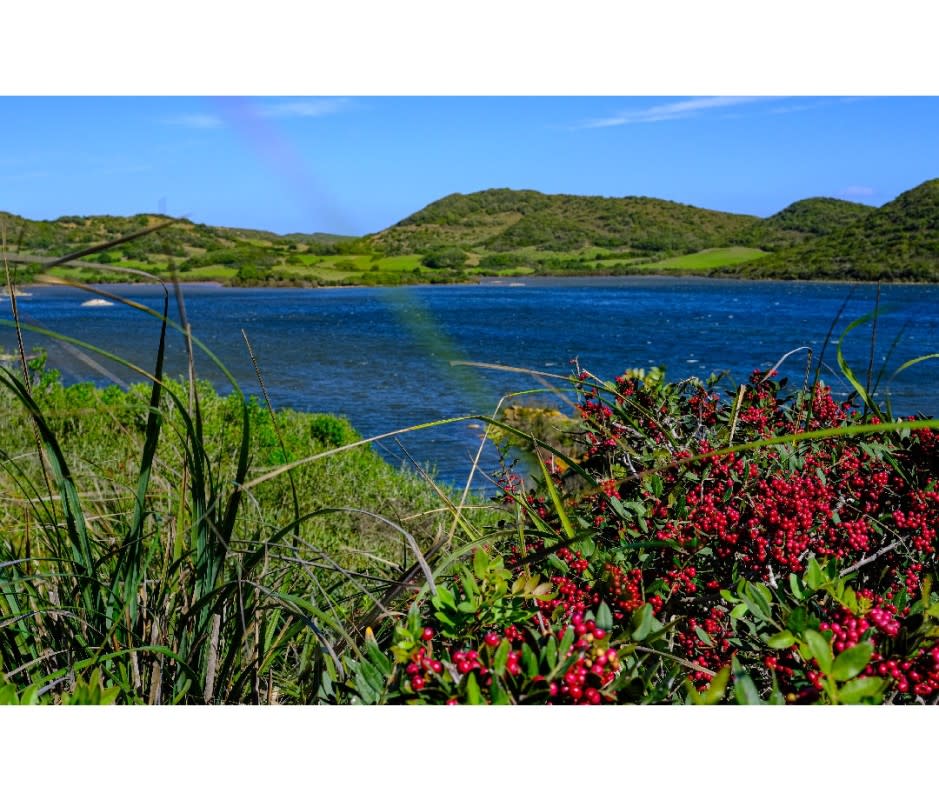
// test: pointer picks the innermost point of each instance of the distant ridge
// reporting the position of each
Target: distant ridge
(515, 232)
(507, 219)
(898, 241)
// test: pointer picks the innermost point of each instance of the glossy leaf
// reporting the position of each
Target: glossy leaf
(781, 640)
(851, 662)
(604, 617)
(860, 689)
(501, 657)
(473, 696)
(642, 619)
(820, 649)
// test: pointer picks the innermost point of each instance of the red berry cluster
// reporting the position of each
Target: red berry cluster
(595, 667)
(420, 668)
(672, 524)
(706, 642)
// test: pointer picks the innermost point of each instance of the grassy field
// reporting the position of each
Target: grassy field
(706, 260)
(374, 269)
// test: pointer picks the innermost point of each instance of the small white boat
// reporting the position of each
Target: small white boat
(17, 292)
(98, 302)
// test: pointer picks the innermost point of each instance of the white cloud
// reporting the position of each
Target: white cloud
(858, 191)
(795, 108)
(204, 121)
(669, 111)
(287, 109)
(304, 108)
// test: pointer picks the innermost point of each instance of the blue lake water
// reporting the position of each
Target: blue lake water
(382, 357)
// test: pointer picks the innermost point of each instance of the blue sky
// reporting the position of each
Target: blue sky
(356, 164)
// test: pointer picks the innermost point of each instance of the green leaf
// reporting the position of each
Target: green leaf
(557, 564)
(444, 598)
(696, 697)
(566, 641)
(500, 697)
(795, 586)
(371, 674)
(473, 695)
(849, 600)
(756, 601)
(813, 575)
(366, 692)
(703, 636)
(377, 657)
(852, 661)
(551, 652)
(480, 563)
(745, 690)
(715, 692)
(604, 618)
(781, 640)
(501, 657)
(739, 611)
(642, 619)
(764, 596)
(820, 650)
(656, 486)
(867, 688)
(529, 661)
(469, 585)
(797, 620)
(556, 501)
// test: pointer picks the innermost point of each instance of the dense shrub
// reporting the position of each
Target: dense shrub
(796, 565)
(445, 258)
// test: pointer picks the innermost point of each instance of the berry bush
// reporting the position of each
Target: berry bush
(755, 546)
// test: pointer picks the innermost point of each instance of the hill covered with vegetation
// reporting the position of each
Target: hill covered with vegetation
(899, 241)
(509, 233)
(503, 220)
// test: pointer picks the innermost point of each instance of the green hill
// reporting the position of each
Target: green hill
(504, 232)
(183, 239)
(807, 219)
(201, 252)
(899, 241)
(503, 219)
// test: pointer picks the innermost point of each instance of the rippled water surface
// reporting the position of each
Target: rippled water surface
(382, 357)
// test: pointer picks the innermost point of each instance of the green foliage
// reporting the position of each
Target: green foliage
(899, 242)
(178, 585)
(818, 216)
(445, 258)
(661, 564)
(502, 231)
(504, 220)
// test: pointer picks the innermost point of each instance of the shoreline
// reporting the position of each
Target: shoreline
(517, 281)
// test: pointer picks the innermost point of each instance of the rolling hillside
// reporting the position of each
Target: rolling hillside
(898, 241)
(501, 220)
(504, 232)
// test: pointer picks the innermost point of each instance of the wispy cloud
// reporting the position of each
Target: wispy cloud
(202, 121)
(664, 112)
(792, 109)
(287, 109)
(303, 108)
(858, 191)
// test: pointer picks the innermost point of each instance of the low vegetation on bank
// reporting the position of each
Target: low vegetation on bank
(679, 543)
